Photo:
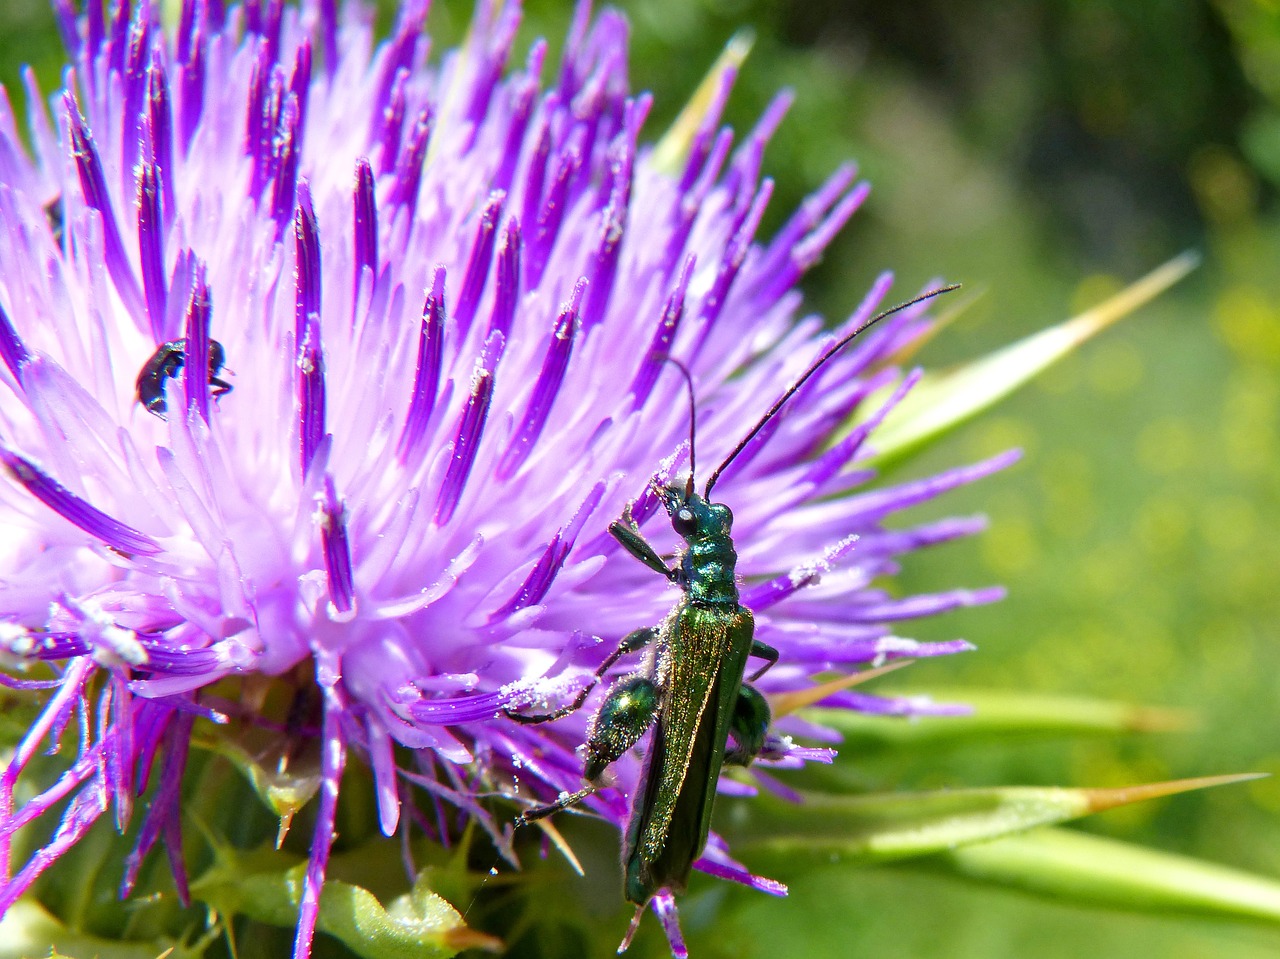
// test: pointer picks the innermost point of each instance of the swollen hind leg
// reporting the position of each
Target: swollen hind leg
(749, 725)
(626, 714)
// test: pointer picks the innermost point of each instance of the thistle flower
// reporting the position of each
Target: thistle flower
(396, 514)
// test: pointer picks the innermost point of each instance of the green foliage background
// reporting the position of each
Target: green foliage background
(1044, 153)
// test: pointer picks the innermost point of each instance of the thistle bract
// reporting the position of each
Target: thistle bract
(442, 290)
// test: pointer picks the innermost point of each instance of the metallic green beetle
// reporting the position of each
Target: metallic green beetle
(692, 694)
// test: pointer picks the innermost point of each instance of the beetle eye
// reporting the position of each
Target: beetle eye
(684, 522)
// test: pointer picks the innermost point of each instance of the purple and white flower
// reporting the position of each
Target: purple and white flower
(398, 513)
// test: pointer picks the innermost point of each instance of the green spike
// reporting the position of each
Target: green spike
(942, 401)
(998, 714)
(1081, 868)
(670, 152)
(888, 826)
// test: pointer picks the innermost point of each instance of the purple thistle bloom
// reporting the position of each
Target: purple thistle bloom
(409, 501)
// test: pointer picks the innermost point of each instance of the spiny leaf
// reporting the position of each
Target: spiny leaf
(941, 401)
(998, 714)
(28, 931)
(285, 783)
(886, 826)
(417, 925)
(1090, 869)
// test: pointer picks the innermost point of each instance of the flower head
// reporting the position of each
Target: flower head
(393, 504)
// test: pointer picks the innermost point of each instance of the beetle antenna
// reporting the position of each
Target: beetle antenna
(813, 368)
(693, 422)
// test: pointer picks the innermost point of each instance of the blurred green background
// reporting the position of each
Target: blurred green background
(1043, 153)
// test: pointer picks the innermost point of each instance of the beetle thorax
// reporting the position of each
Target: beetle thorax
(707, 567)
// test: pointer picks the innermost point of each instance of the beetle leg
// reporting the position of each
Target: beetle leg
(628, 534)
(219, 386)
(766, 652)
(749, 725)
(628, 712)
(564, 802)
(630, 643)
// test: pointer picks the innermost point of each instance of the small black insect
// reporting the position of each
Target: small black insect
(55, 213)
(165, 363)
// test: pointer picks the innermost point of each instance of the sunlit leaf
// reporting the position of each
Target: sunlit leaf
(943, 400)
(28, 932)
(283, 781)
(1090, 869)
(886, 826)
(997, 714)
(417, 925)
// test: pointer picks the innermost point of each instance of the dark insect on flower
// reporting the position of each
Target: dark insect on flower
(691, 689)
(55, 215)
(165, 363)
